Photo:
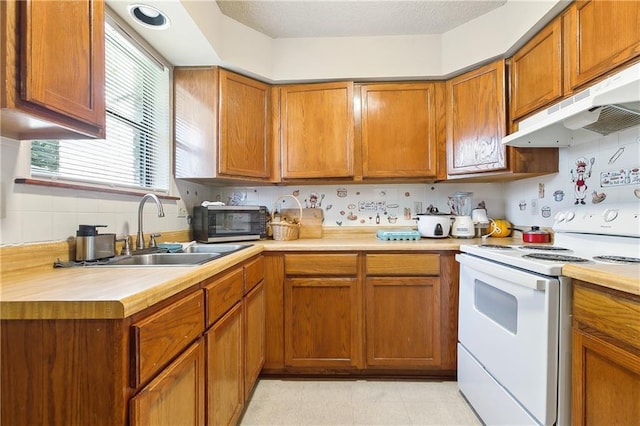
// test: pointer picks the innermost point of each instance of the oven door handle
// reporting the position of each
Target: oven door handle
(514, 276)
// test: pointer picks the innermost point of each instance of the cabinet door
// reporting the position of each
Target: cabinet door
(317, 130)
(196, 125)
(63, 71)
(398, 130)
(606, 382)
(322, 322)
(176, 395)
(53, 79)
(403, 321)
(254, 332)
(476, 121)
(225, 375)
(244, 139)
(536, 72)
(600, 35)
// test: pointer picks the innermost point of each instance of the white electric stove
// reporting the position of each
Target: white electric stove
(514, 345)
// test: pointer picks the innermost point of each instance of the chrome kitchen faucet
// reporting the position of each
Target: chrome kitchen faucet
(140, 235)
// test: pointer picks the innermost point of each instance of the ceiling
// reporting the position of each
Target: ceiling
(337, 18)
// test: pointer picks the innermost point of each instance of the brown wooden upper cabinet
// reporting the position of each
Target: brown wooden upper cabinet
(476, 120)
(317, 130)
(222, 125)
(53, 79)
(536, 72)
(599, 36)
(398, 129)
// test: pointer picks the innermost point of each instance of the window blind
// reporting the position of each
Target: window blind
(136, 151)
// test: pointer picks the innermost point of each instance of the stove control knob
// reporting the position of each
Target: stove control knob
(570, 216)
(609, 215)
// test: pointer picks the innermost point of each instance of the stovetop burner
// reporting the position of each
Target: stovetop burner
(556, 257)
(617, 259)
(544, 248)
(495, 246)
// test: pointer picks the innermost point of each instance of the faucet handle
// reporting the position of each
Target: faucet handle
(126, 248)
(152, 240)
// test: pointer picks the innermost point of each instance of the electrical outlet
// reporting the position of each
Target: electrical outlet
(534, 207)
(182, 209)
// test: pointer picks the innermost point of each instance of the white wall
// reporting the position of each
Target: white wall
(35, 214)
(201, 35)
(30, 213)
(601, 149)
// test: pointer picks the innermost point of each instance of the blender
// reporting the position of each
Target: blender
(463, 226)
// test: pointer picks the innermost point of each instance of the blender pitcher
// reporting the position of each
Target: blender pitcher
(461, 206)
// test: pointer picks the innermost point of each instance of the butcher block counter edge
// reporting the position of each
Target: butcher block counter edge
(112, 293)
(617, 277)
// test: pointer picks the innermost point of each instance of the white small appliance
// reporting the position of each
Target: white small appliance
(463, 226)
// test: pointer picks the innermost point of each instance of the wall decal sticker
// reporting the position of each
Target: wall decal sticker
(341, 192)
(546, 211)
(579, 177)
(558, 195)
(597, 198)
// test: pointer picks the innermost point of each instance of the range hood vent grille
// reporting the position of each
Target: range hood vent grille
(609, 106)
(614, 118)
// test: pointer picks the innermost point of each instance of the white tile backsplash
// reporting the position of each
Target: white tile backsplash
(601, 149)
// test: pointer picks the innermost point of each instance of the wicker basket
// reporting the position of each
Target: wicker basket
(285, 231)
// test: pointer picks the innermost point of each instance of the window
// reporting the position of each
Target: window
(136, 151)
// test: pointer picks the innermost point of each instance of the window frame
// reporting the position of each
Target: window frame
(78, 184)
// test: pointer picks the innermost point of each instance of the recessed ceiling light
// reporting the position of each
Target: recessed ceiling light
(149, 16)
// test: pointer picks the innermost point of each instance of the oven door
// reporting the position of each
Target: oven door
(508, 327)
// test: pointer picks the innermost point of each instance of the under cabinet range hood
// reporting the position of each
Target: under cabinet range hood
(607, 107)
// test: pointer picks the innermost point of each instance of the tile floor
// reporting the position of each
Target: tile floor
(357, 402)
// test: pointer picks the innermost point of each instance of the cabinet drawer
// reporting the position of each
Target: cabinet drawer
(403, 264)
(321, 264)
(222, 293)
(159, 338)
(254, 273)
(607, 311)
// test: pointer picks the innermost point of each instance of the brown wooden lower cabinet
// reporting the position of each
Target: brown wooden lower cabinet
(225, 376)
(606, 356)
(161, 366)
(403, 321)
(175, 396)
(322, 322)
(361, 313)
(254, 336)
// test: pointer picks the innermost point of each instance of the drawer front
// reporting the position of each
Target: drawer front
(222, 293)
(403, 264)
(159, 338)
(321, 264)
(609, 312)
(253, 273)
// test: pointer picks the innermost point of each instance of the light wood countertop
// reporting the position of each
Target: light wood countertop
(103, 292)
(110, 292)
(618, 277)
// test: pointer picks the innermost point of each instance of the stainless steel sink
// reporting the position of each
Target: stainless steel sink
(165, 259)
(196, 254)
(215, 248)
